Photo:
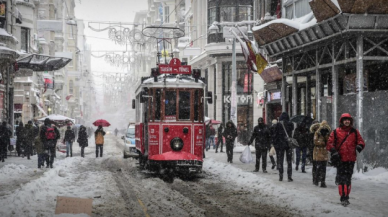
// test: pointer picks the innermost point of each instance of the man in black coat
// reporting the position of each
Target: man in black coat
(280, 143)
(69, 139)
(5, 135)
(261, 135)
(219, 138)
(82, 139)
(20, 138)
(29, 136)
(230, 134)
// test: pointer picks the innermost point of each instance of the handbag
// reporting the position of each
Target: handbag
(292, 143)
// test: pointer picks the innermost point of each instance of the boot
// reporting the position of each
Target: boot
(273, 166)
(51, 165)
(323, 185)
(265, 171)
(296, 168)
(280, 177)
(256, 170)
(315, 182)
(290, 179)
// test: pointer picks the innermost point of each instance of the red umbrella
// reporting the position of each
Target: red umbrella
(101, 122)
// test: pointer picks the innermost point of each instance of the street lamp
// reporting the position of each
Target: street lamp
(49, 110)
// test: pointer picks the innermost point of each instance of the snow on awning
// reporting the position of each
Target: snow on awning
(7, 52)
(274, 30)
(39, 62)
(271, 74)
(41, 110)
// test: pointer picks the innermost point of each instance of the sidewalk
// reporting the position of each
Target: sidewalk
(368, 196)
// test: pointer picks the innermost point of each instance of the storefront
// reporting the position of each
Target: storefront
(324, 66)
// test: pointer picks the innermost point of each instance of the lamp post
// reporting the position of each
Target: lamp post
(49, 110)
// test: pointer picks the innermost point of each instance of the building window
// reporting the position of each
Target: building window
(71, 87)
(300, 7)
(24, 42)
(166, 14)
(244, 13)
(228, 14)
(212, 16)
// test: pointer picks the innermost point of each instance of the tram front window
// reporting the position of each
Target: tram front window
(170, 107)
(184, 105)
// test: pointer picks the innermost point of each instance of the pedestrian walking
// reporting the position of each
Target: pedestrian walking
(20, 139)
(272, 151)
(49, 136)
(220, 138)
(261, 135)
(116, 131)
(280, 143)
(29, 136)
(230, 134)
(39, 147)
(68, 140)
(208, 133)
(301, 134)
(82, 139)
(320, 154)
(99, 139)
(5, 136)
(212, 136)
(343, 144)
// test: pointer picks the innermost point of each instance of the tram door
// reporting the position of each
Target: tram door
(145, 130)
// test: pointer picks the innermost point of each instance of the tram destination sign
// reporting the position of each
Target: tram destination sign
(174, 67)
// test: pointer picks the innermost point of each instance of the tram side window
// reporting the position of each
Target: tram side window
(196, 105)
(170, 108)
(158, 97)
(184, 105)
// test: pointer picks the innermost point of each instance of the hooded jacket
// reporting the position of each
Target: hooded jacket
(20, 131)
(301, 134)
(321, 135)
(82, 137)
(29, 133)
(261, 135)
(230, 133)
(348, 149)
(279, 137)
(69, 135)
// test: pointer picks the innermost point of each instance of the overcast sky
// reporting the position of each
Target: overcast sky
(105, 11)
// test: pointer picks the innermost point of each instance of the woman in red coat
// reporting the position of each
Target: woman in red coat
(343, 144)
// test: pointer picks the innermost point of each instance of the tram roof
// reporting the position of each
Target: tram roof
(172, 81)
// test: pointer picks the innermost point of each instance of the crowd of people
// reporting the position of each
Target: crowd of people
(42, 140)
(314, 143)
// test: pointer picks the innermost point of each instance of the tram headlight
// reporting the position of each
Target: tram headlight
(176, 144)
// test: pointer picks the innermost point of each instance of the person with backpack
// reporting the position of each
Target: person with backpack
(29, 139)
(82, 139)
(5, 135)
(68, 140)
(49, 136)
(19, 138)
(99, 139)
(343, 144)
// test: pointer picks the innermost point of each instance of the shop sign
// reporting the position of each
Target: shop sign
(241, 99)
(274, 96)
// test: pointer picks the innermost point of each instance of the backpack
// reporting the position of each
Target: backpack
(50, 133)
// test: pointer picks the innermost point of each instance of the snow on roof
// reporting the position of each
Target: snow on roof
(298, 23)
(4, 33)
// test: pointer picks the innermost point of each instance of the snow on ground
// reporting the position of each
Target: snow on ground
(367, 198)
(36, 194)
(70, 177)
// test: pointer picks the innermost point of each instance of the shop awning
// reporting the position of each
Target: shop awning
(271, 74)
(39, 62)
(41, 110)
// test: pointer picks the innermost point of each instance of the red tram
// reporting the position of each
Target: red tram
(170, 128)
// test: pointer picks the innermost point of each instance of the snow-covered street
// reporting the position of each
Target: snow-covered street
(119, 188)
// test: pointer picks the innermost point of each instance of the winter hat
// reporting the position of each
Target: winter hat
(274, 121)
